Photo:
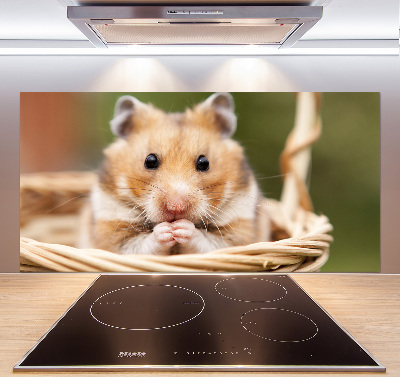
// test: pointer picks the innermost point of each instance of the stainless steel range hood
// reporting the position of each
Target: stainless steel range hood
(269, 25)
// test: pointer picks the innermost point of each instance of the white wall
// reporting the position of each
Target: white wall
(275, 73)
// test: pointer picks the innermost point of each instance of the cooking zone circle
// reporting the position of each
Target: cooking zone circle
(147, 307)
(251, 290)
(279, 325)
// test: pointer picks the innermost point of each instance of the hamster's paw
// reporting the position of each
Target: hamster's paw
(193, 240)
(163, 234)
(184, 231)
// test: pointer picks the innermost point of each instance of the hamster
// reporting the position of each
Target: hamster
(174, 183)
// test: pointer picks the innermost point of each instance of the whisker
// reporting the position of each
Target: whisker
(201, 218)
(228, 224)
(67, 201)
(240, 202)
(213, 221)
(216, 184)
(234, 231)
(130, 223)
(219, 209)
(232, 193)
(149, 184)
(223, 183)
(133, 188)
(219, 216)
(233, 201)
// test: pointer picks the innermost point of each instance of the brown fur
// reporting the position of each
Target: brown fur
(118, 233)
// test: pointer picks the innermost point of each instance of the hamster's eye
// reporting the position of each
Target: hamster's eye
(151, 161)
(202, 163)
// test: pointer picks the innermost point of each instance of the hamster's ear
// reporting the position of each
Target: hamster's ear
(122, 123)
(223, 106)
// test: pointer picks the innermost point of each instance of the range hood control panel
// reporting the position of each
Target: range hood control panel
(196, 12)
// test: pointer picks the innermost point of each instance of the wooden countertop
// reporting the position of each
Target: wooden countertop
(367, 306)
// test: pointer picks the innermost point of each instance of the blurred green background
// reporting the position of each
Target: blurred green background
(345, 178)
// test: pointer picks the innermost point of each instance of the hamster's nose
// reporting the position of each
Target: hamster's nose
(176, 204)
(177, 199)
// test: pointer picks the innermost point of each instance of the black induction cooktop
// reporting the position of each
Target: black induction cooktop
(242, 322)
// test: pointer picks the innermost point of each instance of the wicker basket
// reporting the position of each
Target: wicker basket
(50, 204)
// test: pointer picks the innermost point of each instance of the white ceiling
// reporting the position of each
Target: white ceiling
(342, 20)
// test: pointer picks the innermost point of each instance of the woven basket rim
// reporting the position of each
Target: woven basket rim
(305, 252)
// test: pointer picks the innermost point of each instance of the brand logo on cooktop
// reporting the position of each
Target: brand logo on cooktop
(131, 354)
